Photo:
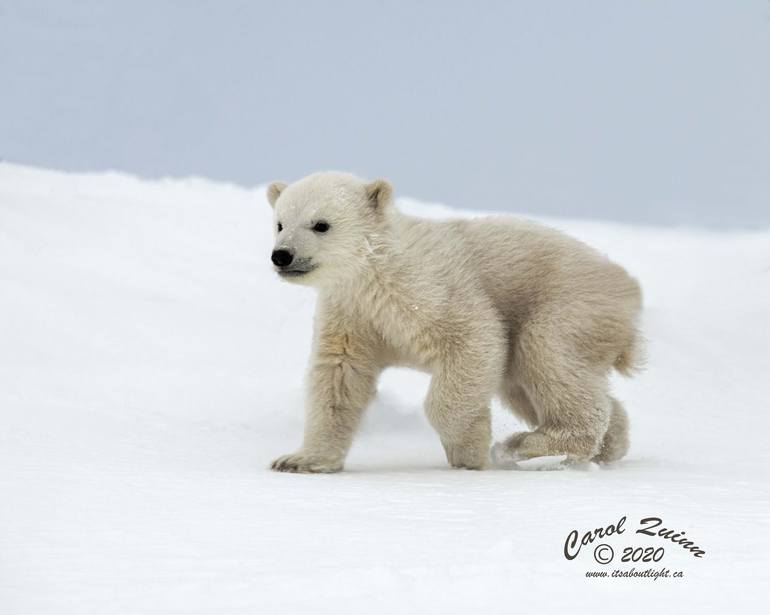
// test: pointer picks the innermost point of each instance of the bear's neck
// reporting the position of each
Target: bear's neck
(381, 290)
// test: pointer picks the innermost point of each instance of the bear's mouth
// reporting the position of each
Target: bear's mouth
(293, 273)
(298, 270)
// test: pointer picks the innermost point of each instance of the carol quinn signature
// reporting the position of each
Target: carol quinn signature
(649, 526)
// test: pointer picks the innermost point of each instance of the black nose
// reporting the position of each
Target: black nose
(282, 258)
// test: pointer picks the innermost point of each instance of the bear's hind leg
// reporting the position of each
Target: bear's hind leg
(515, 398)
(457, 406)
(471, 449)
(580, 440)
(615, 442)
(570, 402)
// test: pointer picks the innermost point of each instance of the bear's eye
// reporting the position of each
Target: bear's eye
(321, 227)
(280, 227)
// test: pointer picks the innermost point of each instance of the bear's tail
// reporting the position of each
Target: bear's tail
(631, 359)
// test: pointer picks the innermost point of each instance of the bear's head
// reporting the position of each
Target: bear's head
(327, 226)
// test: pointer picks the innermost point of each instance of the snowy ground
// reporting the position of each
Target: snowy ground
(151, 366)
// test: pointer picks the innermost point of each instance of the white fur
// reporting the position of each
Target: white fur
(494, 306)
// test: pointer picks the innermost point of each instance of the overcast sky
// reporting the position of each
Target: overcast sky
(649, 111)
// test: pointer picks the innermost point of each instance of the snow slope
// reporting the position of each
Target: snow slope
(151, 366)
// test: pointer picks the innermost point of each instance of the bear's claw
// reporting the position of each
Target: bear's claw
(300, 463)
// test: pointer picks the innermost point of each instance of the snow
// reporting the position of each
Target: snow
(151, 367)
(502, 458)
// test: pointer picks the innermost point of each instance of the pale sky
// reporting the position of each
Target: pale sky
(639, 111)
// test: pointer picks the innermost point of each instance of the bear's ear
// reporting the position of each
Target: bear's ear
(274, 191)
(379, 193)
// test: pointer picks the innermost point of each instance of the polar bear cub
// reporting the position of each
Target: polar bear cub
(494, 306)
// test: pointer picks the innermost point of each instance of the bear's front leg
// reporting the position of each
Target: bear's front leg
(340, 384)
